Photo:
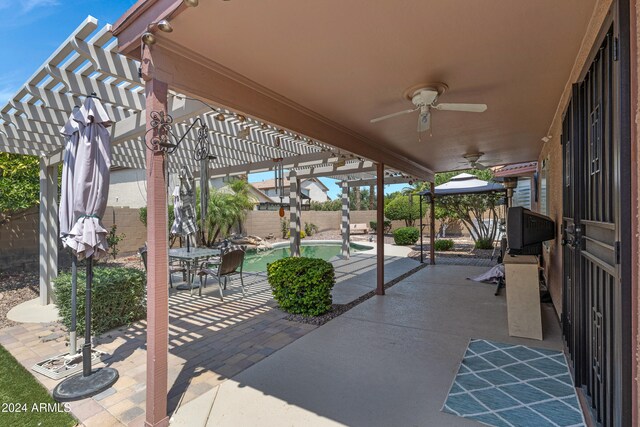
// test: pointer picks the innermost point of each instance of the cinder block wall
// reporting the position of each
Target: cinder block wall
(128, 222)
(263, 223)
(19, 242)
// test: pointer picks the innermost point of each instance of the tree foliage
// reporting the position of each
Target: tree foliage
(364, 203)
(405, 208)
(19, 183)
(227, 207)
(477, 212)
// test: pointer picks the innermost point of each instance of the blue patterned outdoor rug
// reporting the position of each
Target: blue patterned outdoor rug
(514, 385)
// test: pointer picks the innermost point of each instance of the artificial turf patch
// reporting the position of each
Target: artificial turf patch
(24, 402)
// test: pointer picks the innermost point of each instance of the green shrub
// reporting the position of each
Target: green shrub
(406, 236)
(113, 239)
(443, 245)
(302, 285)
(484, 243)
(284, 228)
(310, 228)
(387, 225)
(117, 298)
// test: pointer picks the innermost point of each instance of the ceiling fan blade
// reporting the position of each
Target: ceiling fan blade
(480, 166)
(470, 108)
(424, 121)
(388, 116)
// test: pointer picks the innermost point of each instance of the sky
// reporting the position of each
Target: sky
(30, 30)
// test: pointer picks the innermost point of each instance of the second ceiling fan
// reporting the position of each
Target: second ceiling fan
(424, 99)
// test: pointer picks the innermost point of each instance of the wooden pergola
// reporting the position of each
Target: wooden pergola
(88, 62)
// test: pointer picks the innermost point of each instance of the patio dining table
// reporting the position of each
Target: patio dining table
(192, 257)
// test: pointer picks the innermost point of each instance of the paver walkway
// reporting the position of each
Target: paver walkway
(209, 341)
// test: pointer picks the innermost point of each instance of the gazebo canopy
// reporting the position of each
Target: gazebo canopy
(465, 183)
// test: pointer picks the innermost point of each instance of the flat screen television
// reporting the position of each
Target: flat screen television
(526, 230)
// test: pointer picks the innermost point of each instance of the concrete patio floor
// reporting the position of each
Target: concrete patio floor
(209, 341)
(389, 361)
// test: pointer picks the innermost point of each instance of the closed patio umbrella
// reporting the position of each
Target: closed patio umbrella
(71, 130)
(88, 238)
(184, 223)
(204, 196)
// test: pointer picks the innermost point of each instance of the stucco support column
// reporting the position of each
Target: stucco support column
(294, 216)
(157, 257)
(345, 220)
(432, 225)
(48, 237)
(380, 229)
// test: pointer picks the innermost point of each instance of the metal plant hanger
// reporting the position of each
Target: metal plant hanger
(164, 140)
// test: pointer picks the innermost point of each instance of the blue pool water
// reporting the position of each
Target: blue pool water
(257, 261)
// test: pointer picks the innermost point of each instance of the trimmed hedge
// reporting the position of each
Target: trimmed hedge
(302, 285)
(406, 236)
(443, 245)
(118, 297)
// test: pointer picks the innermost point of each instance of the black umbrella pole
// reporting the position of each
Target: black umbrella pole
(74, 292)
(86, 348)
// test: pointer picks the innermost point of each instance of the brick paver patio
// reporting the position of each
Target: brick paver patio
(210, 341)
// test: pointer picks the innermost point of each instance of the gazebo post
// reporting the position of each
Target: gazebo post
(294, 209)
(432, 225)
(380, 229)
(345, 220)
(48, 229)
(157, 267)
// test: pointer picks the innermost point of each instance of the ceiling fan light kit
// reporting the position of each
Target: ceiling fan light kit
(424, 99)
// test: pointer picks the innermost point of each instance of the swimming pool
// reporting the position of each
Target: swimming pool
(257, 261)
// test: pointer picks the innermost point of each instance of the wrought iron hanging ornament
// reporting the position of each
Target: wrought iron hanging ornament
(165, 141)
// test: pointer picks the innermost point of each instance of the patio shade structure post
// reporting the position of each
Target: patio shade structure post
(294, 209)
(432, 225)
(158, 244)
(421, 254)
(380, 229)
(48, 229)
(345, 220)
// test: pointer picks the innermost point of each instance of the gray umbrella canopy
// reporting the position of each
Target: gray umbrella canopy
(71, 130)
(91, 182)
(184, 223)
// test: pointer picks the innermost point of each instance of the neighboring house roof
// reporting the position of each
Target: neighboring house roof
(516, 169)
(268, 184)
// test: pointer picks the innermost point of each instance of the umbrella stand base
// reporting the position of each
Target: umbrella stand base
(80, 387)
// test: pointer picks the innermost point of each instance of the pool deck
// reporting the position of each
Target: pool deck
(209, 341)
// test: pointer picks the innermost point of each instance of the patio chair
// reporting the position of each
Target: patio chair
(172, 267)
(230, 264)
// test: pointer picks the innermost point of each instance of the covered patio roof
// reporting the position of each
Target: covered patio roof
(89, 62)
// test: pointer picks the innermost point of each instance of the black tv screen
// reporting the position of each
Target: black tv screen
(526, 230)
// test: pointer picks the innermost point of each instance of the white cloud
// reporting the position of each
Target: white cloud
(26, 5)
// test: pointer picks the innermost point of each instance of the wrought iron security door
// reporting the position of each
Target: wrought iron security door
(592, 296)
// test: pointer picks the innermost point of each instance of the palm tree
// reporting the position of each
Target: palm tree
(243, 199)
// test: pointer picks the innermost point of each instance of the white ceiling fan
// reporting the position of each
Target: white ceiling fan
(424, 100)
(473, 160)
